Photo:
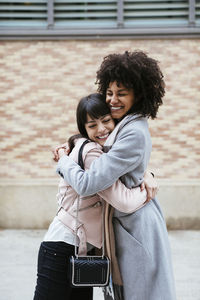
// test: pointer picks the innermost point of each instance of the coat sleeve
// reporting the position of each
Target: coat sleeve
(118, 195)
(125, 155)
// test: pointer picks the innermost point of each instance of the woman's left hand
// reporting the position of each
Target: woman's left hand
(57, 149)
(61, 152)
(150, 184)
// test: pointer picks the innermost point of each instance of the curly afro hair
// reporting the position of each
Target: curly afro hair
(137, 71)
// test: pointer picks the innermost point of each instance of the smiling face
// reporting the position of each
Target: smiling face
(120, 99)
(98, 130)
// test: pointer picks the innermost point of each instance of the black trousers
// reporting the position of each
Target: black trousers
(53, 274)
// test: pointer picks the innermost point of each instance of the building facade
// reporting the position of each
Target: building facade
(44, 73)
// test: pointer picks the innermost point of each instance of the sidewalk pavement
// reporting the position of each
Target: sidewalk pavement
(18, 260)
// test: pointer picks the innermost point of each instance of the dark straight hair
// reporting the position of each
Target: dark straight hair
(93, 105)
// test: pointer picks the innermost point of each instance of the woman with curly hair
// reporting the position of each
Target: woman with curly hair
(133, 87)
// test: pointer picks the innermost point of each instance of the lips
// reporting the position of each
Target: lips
(115, 108)
(102, 137)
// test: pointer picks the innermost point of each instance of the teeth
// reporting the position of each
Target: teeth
(115, 107)
(103, 136)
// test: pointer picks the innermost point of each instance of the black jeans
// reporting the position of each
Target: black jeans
(52, 277)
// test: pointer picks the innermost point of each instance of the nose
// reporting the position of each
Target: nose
(101, 127)
(113, 99)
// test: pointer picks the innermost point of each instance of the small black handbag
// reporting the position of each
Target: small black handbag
(89, 271)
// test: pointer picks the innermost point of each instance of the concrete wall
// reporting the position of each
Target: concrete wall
(32, 205)
(41, 83)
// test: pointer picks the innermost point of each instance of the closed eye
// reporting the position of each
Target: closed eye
(106, 121)
(122, 95)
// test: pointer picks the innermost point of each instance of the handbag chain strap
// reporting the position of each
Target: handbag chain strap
(80, 162)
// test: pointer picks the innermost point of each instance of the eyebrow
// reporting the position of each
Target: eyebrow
(92, 121)
(121, 90)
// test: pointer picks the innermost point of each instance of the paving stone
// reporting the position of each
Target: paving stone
(19, 249)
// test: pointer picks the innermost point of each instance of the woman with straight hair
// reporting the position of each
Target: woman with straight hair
(95, 125)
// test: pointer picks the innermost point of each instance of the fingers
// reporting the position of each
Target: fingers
(150, 185)
(151, 192)
(55, 154)
(66, 149)
(142, 186)
(55, 151)
(61, 152)
(154, 191)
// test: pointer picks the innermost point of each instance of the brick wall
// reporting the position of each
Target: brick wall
(42, 81)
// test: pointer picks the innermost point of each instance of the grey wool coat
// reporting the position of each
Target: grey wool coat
(141, 238)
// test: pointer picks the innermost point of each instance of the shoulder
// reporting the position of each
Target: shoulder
(135, 122)
(133, 137)
(89, 147)
(91, 151)
(135, 129)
